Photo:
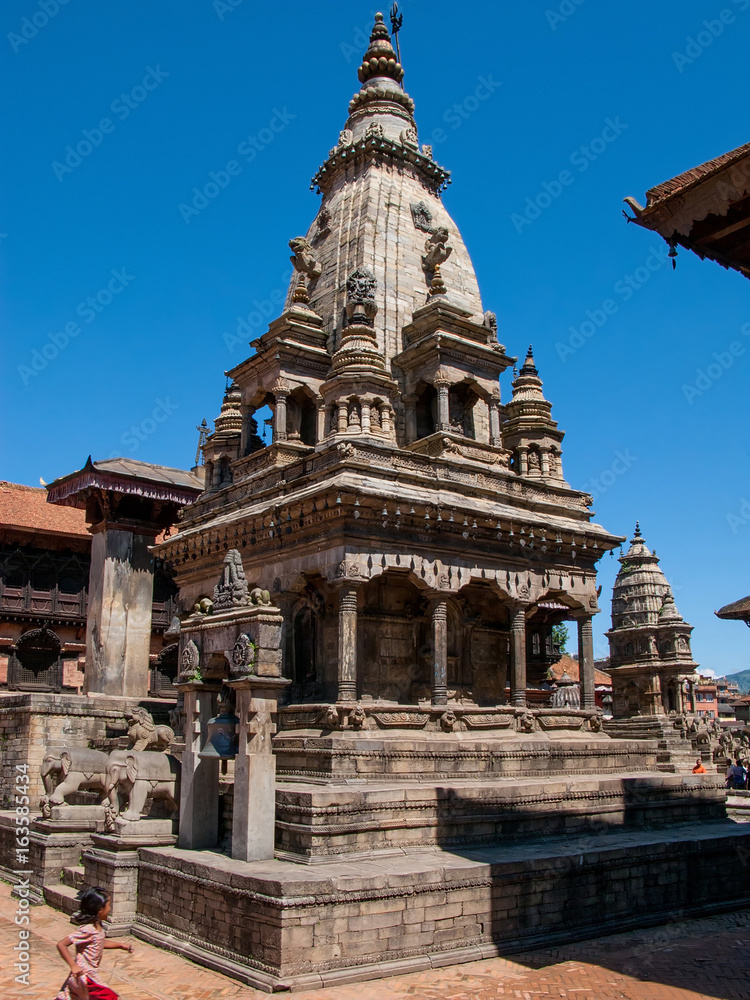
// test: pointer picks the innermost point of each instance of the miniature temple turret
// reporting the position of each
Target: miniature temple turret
(223, 446)
(528, 430)
(650, 659)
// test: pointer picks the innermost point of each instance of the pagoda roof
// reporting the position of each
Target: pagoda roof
(705, 209)
(125, 476)
(737, 611)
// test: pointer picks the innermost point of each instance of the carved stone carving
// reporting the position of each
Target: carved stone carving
(205, 606)
(324, 223)
(331, 718)
(421, 217)
(427, 150)
(409, 137)
(346, 137)
(144, 734)
(526, 722)
(261, 598)
(488, 721)
(559, 722)
(402, 720)
(437, 250)
(595, 723)
(303, 257)
(374, 131)
(357, 717)
(360, 297)
(243, 655)
(67, 771)
(138, 777)
(190, 664)
(448, 721)
(232, 590)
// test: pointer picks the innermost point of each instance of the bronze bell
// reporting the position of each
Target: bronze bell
(222, 741)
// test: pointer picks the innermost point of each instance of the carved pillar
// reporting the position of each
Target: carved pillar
(343, 416)
(279, 416)
(365, 417)
(545, 462)
(442, 384)
(586, 662)
(254, 809)
(411, 418)
(347, 673)
(320, 428)
(199, 781)
(439, 615)
(518, 655)
(495, 436)
(523, 461)
(386, 424)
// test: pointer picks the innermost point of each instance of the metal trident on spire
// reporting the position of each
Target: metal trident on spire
(396, 22)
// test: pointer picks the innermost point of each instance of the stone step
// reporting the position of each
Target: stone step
(61, 897)
(73, 877)
(738, 806)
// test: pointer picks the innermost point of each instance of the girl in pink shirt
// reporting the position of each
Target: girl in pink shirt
(90, 941)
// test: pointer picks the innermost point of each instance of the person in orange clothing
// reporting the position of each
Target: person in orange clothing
(699, 768)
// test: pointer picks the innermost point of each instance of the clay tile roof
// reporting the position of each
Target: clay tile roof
(683, 181)
(739, 609)
(567, 665)
(26, 507)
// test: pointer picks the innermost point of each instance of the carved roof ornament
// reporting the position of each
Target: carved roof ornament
(346, 137)
(190, 664)
(360, 297)
(441, 377)
(229, 420)
(374, 131)
(437, 285)
(232, 591)
(380, 58)
(303, 257)
(409, 137)
(421, 217)
(281, 387)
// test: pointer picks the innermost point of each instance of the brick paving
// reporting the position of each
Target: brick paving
(689, 960)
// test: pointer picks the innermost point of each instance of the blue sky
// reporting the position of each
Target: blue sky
(120, 310)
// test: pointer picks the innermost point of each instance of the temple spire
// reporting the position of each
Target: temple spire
(380, 58)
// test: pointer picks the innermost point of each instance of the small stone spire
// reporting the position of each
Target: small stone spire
(638, 531)
(380, 58)
(229, 420)
(527, 384)
(669, 612)
(529, 368)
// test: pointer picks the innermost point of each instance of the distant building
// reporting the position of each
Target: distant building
(706, 702)
(727, 692)
(567, 668)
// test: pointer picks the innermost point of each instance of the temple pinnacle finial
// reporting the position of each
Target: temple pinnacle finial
(380, 58)
(529, 368)
(638, 530)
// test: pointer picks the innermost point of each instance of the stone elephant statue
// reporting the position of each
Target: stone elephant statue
(69, 770)
(140, 775)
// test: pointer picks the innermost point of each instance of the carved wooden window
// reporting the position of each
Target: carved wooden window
(36, 662)
(43, 583)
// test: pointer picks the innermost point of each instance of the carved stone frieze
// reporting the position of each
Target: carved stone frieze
(421, 217)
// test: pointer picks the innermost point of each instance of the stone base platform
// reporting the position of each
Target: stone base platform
(319, 822)
(427, 755)
(277, 925)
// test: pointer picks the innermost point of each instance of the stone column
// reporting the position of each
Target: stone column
(495, 436)
(254, 808)
(366, 426)
(523, 461)
(411, 418)
(586, 662)
(321, 419)
(118, 622)
(518, 655)
(199, 781)
(385, 420)
(347, 675)
(439, 615)
(545, 462)
(279, 416)
(442, 385)
(343, 417)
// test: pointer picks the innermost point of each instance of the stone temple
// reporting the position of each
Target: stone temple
(373, 774)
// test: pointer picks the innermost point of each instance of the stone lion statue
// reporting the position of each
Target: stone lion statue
(144, 734)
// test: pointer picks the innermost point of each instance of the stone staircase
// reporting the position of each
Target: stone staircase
(63, 895)
(676, 754)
